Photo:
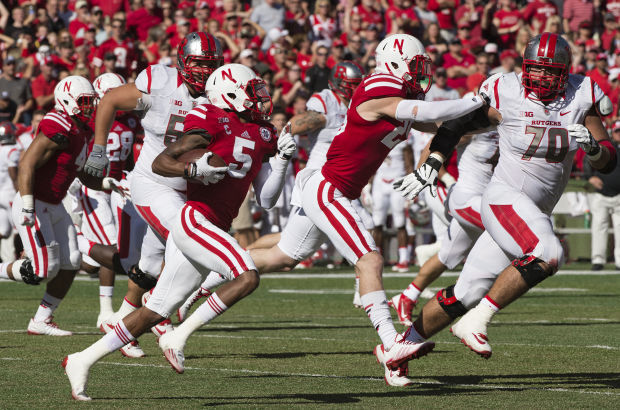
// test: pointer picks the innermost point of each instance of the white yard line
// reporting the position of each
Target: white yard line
(350, 291)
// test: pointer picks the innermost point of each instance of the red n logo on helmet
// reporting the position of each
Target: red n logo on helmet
(228, 74)
(67, 87)
(399, 44)
(341, 72)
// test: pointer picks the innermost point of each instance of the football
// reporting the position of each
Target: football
(195, 154)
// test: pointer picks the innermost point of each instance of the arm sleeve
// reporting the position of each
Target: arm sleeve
(269, 182)
(450, 132)
(433, 111)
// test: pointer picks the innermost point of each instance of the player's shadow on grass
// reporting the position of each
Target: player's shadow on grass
(215, 328)
(279, 355)
(544, 380)
(597, 323)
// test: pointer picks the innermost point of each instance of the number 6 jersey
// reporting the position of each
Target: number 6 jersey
(536, 153)
(168, 103)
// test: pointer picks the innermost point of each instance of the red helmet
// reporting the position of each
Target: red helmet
(197, 56)
(546, 63)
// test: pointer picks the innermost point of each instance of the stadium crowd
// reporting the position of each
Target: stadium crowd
(292, 44)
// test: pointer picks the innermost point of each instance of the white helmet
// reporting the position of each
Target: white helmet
(75, 96)
(105, 82)
(403, 56)
(237, 87)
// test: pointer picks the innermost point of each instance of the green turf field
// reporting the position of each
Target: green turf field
(299, 342)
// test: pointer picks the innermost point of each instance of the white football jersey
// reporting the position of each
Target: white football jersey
(9, 158)
(393, 166)
(418, 140)
(477, 161)
(330, 105)
(24, 140)
(536, 153)
(170, 101)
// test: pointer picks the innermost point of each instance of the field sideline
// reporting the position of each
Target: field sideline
(298, 341)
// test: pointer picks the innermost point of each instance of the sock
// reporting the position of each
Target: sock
(47, 307)
(376, 307)
(15, 270)
(208, 311)
(213, 280)
(490, 303)
(126, 308)
(412, 292)
(413, 335)
(402, 255)
(105, 298)
(107, 344)
(3, 270)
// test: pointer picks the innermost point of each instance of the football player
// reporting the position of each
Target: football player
(234, 127)
(9, 158)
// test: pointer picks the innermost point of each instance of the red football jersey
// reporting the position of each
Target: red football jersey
(360, 146)
(52, 180)
(244, 146)
(118, 148)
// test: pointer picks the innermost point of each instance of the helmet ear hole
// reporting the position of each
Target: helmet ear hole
(394, 65)
(231, 95)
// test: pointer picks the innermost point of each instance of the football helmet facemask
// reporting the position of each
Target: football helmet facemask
(546, 64)
(75, 96)
(403, 56)
(197, 56)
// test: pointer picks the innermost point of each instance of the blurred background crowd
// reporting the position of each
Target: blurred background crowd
(293, 44)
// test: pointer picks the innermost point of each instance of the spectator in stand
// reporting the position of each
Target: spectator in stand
(141, 20)
(425, 15)
(459, 65)
(584, 33)
(81, 20)
(303, 46)
(336, 55)
(536, 14)
(370, 12)
(322, 24)
(433, 37)
(17, 25)
(523, 36)
(508, 62)
(97, 24)
(470, 13)
(371, 41)
(576, 12)
(287, 88)
(122, 47)
(54, 22)
(317, 76)
(445, 10)
(605, 202)
(43, 85)
(481, 74)
(109, 64)
(433, 54)
(370, 67)
(268, 15)
(167, 14)
(401, 15)
(15, 95)
(507, 21)
(25, 138)
(355, 49)
(610, 32)
(553, 25)
(440, 89)
(180, 32)
(613, 7)
(251, 35)
(491, 51)
(109, 7)
(599, 74)
(295, 16)
(64, 12)
(247, 58)
(352, 26)
(614, 94)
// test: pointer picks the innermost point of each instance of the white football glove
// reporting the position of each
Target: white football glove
(426, 176)
(28, 218)
(286, 142)
(584, 138)
(97, 161)
(208, 174)
(110, 183)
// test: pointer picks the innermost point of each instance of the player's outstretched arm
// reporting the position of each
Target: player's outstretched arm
(306, 122)
(269, 182)
(126, 97)
(592, 137)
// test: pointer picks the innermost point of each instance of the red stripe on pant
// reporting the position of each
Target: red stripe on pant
(205, 244)
(152, 220)
(87, 211)
(220, 240)
(93, 214)
(335, 222)
(347, 215)
(516, 227)
(33, 244)
(471, 216)
(124, 233)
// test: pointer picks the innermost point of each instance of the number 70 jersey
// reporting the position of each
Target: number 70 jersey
(536, 153)
(169, 103)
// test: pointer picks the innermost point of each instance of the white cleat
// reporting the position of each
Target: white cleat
(424, 252)
(103, 317)
(173, 351)
(162, 328)
(47, 328)
(108, 324)
(427, 294)
(357, 300)
(404, 308)
(77, 372)
(401, 267)
(402, 351)
(132, 350)
(472, 331)
(398, 377)
(194, 297)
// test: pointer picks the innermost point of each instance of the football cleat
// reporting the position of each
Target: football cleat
(47, 328)
(132, 350)
(77, 372)
(357, 300)
(104, 317)
(404, 308)
(305, 264)
(471, 329)
(162, 328)
(424, 252)
(401, 267)
(402, 351)
(173, 351)
(398, 377)
(194, 297)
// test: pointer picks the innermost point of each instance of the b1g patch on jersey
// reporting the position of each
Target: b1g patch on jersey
(265, 134)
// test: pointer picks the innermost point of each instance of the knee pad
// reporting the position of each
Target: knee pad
(449, 303)
(53, 262)
(531, 271)
(141, 279)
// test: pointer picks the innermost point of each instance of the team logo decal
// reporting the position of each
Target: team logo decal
(265, 134)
